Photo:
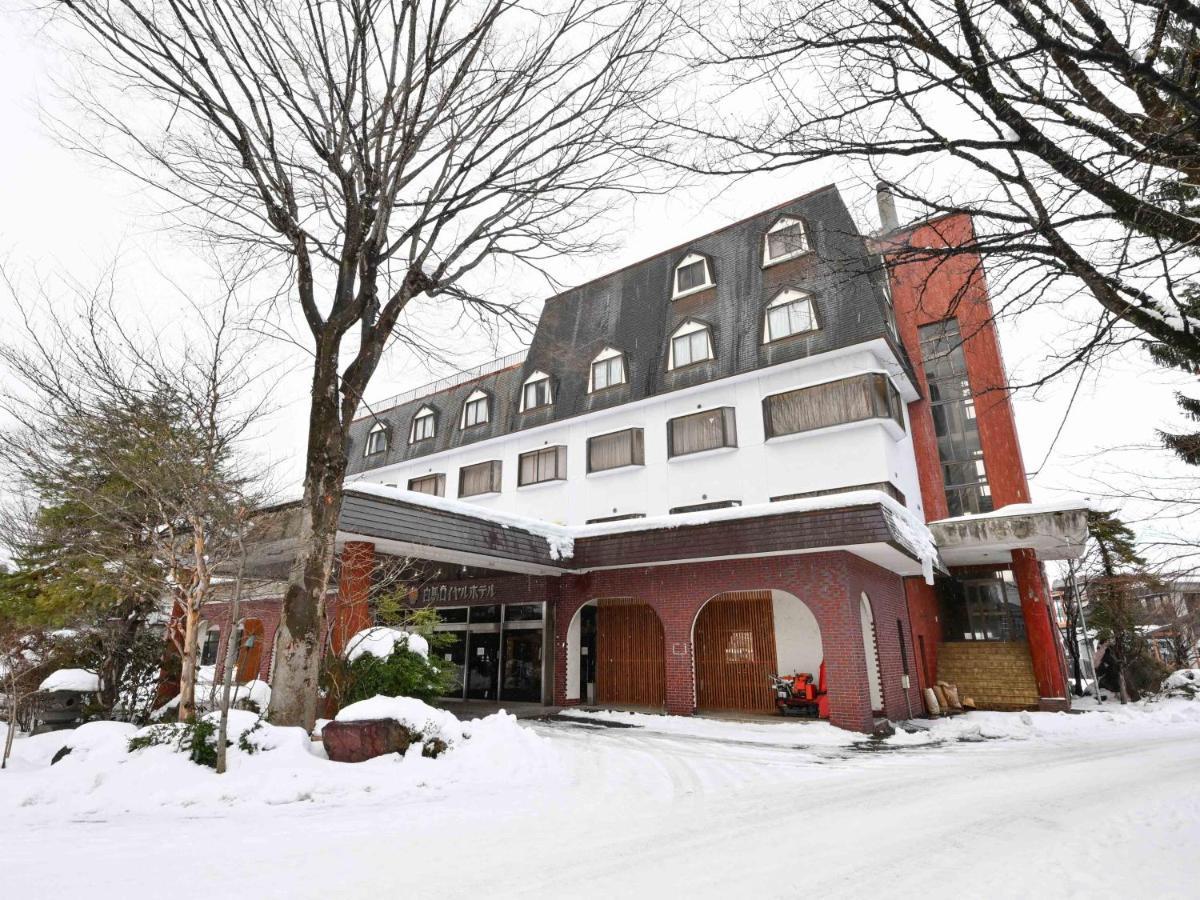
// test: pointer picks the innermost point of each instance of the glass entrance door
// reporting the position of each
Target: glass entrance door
(483, 666)
(523, 665)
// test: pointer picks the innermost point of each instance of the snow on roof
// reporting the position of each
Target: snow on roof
(71, 680)
(1064, 504)
(561, 538)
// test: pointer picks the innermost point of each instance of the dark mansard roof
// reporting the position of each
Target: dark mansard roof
(632, 310)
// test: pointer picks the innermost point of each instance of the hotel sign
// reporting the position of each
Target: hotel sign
(458, 593)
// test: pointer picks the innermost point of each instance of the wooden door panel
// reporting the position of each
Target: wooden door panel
(250, 652)
(735, 652)
(630, 668)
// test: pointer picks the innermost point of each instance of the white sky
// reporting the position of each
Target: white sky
(64, 218)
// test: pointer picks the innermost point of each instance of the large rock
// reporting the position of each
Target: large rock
(358, 741)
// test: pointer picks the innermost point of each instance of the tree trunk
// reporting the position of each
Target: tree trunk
(301, 628)
(12, 720)
(187, 672)
(231, 655)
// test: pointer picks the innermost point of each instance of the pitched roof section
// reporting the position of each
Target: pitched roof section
(632, 310)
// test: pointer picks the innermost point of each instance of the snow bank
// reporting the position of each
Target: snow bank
(71, 680)
(1100, 722)
(268, 766)
(1182, 683)
(413, 714)
(381, 641)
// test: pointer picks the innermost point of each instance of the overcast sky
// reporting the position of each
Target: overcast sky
(62, 218)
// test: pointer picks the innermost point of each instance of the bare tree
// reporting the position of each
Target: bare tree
(131, 454)
(1068, 129)
(374, 151)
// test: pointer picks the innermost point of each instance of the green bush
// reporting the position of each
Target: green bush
(197, 739)
(403, 674)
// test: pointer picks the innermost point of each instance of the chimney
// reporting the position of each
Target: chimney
(888, 220)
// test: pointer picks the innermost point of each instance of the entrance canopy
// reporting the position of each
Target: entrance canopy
(1053, 531)
(868, 523)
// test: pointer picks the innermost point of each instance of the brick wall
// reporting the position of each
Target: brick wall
(926, 628)
(995, 674)
(828, 583)
(266, 610)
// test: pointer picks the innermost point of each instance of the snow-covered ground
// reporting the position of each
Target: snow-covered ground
(1106, 803)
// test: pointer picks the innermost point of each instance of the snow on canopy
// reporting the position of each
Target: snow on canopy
(560, 539)
(71, 680)
(381, 641)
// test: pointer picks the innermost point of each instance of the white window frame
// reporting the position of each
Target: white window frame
(688, 328)
(605, 356)
(487, 410)
(780, 224)
(379, 428)
(788, 297)
(537, 378)
(423, 413)
(688, 260)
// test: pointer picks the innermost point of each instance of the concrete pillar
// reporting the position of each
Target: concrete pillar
(1040, 631)
(354, 592)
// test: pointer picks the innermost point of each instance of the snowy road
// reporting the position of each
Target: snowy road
(631, 813)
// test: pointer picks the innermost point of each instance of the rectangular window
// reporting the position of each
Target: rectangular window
(953, 411)
(547, 464)
(208, 653)
(429, 484)
(787, 240)
(690, 348)
(690, 276)
(701, 431)
(422, 428)
(870, 396)
(377, 440)
(704, 507)
(791, 318)
(481, 478)
(611, 451)
(620, 518)
(475, 412)
(536, 393)
(608, 372)
(981, 609)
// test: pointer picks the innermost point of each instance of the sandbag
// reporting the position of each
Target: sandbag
(943, 703)
(951, 691)
(931, 702)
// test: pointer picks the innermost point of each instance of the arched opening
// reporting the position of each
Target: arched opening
(871, 650)
(741, 638)
(615, 654)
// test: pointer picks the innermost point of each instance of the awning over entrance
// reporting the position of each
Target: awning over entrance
(867, 523)
(1053, 531)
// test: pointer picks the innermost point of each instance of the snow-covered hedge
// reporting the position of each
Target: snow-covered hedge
(381, 642)
(1182, 683)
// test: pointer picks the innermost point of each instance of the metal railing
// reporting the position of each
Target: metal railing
(442, 384)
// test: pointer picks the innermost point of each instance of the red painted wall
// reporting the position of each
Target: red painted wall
(933, 287)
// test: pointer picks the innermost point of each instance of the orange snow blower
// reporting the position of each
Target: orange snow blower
(797, 695)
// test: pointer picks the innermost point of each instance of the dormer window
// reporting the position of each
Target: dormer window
(789, 313)
(608, 370)
(784, 240)
(424, 425)
(691, 343)
(475, 410)
(691, 275)
(377, 439)
(535, 393)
